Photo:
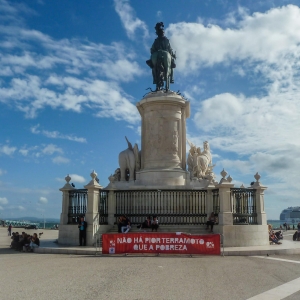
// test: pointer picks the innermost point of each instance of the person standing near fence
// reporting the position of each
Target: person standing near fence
(82, 225)
(9, 230)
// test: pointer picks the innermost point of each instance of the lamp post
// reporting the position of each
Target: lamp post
(44, 220)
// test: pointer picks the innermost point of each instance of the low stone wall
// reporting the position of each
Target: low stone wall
(244, 235)
(68, 235)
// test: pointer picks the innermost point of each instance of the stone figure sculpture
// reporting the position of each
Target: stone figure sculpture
(190, 163)
(192, 160)
(129, 162)
(116, 176)
(162, 61)
(200, 163)
(204, 160)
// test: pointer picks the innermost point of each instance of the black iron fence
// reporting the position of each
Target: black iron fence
(171, 207)
(77, 205)
(103, 207)
(244, 206)
(216, 204)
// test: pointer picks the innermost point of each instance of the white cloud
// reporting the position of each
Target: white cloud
(1, 208)
(2, 172)
(43, 200)
(60, 160)
(3, 200)
(275, 34)
(246, 125)
(56, 135)
(5, 149)
(74, 178)
(77, 178)
(50, 149)
(24, 152)
(32, 82)
(129, 21)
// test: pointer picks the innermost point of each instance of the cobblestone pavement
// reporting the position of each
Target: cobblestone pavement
(45, 276)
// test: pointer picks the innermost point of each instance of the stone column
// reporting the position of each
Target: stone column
(92, 214)
(65, 201)
(225, 215)
(259, 199)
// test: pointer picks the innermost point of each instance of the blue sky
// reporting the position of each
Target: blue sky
(71, 73)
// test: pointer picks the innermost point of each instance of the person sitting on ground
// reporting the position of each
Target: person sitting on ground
(15, 240)
(273, 238)
(127, 225)
(279, 235)
(145, 224)
(21, 242)
(211, 222)
(269, 228)
(26, 246)
(121, 223)
(35, 242)
(154, 223)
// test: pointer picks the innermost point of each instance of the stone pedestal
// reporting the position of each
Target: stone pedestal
(259, 198)
(92, 214)
(163, 157)
(65, 201)
(225, 215)
(64, 236)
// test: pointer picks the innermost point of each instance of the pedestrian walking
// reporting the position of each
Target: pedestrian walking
(9, 230)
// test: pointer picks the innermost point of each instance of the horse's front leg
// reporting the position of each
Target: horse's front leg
(167, 83)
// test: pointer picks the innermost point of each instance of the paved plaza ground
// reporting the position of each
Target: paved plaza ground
(52, 276)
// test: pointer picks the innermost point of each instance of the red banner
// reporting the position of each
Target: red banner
(164, 243)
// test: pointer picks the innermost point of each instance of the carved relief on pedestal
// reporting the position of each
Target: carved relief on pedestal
(162, 138)
(152, 139)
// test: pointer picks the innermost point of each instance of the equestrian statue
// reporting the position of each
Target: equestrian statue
(162, 61)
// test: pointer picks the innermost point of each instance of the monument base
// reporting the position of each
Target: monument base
(244, 235)
(160, 177)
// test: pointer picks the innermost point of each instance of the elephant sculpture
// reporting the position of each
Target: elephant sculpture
(129, 162)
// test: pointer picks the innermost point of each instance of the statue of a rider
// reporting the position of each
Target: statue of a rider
(161, 50)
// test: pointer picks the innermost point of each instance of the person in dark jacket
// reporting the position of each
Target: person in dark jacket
(35, 242)
(121, 223)
(82, 225)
